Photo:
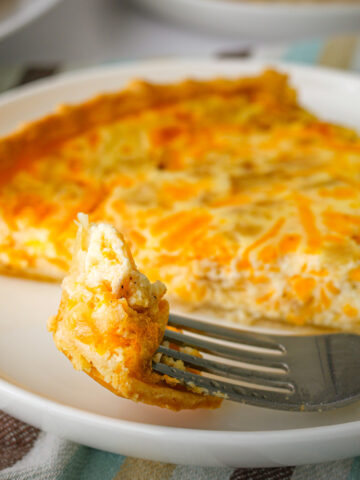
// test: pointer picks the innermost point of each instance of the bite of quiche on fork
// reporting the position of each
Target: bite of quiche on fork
(112, 319)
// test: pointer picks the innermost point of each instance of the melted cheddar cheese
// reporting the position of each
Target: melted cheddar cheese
(111, 321)
(236, 197)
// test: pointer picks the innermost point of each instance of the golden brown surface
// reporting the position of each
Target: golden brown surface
(111, 321)
(236, 197)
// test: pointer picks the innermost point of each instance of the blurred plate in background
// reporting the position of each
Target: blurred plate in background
(14, 14)
(252, 19)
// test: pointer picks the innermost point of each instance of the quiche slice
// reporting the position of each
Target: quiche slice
(111, 321)
(244, 203)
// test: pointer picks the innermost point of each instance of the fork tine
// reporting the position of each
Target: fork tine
(238, 393)
(263, 359)
(229, 371)
(225, 333)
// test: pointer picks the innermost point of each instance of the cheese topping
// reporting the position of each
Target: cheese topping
(229, 191)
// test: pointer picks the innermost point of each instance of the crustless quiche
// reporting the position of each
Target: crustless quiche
(231, 193)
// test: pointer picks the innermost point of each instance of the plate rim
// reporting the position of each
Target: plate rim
(262, 8)
(69, 411)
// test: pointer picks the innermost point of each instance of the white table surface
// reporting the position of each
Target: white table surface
(96, 31)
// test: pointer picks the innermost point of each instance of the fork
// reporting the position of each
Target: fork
(284, 372)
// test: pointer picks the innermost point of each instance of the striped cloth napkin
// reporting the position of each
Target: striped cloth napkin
(27, 453)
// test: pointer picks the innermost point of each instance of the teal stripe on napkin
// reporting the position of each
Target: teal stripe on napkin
(304, 52)
(355, 470)
(91, 464)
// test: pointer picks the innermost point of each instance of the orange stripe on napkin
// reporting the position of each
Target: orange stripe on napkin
(338, 52)
(139, 469)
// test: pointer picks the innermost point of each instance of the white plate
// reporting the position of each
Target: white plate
(14, 14)
(39, 385)
(258, 20)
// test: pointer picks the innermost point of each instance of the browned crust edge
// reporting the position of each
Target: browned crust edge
(70, 120)
(165, 396)
(152, 390)
(159, 395)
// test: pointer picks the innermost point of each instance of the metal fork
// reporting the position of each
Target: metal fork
(284, 372)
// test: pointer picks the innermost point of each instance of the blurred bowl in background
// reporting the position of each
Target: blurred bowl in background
(252, 19)
(15, 14)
